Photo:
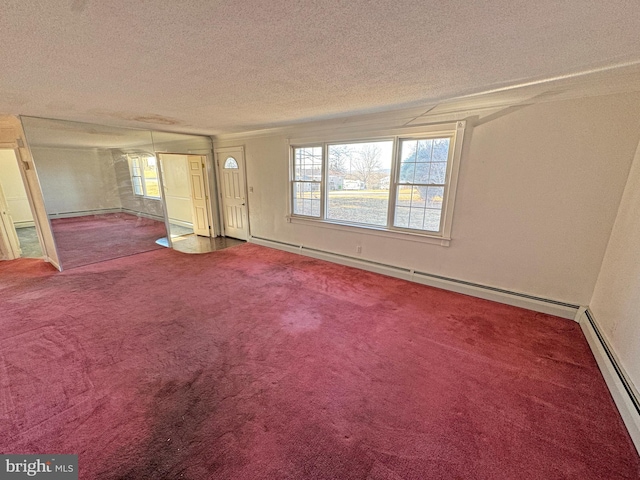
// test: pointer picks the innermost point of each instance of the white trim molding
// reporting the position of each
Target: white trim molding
(530, 302)
(622, 389)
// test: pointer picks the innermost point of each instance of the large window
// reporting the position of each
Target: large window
(401, 183)
(144, 175)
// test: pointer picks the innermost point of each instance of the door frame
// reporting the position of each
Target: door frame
(8, 234)
(217, 152)
(24, 165)
(207, 187)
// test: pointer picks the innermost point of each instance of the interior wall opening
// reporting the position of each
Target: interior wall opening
(19, 231)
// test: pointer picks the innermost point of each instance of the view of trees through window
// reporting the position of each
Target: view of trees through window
(423, 170)
(357, 182)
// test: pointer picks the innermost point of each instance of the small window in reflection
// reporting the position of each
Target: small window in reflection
(144, 175)
(230, 163)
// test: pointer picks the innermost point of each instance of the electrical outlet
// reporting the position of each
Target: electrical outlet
(358, 249)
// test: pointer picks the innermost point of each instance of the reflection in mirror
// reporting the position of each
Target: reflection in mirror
(186, 182)
(101, 188)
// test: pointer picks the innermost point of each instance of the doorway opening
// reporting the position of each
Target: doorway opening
(185, 189)
(17, 224)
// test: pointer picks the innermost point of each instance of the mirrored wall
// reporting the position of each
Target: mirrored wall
(103, 188)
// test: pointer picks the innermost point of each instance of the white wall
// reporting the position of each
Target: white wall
(538, 193)
(13, 188)
(76, 180)
(177, 192)
(616, 298)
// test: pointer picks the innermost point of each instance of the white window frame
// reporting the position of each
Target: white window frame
(136, 160)
(453, 130)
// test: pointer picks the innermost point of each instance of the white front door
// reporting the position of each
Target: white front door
(198, 196)
(233, 191)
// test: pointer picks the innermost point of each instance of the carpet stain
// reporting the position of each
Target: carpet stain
(301, 320)
(177, 422)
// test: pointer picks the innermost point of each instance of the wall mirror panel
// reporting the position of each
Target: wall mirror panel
(101, 186)
(185, 165)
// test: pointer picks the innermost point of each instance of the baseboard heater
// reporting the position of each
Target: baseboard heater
(531, 302)
(105, 211)
(621, 388)
(635, 401)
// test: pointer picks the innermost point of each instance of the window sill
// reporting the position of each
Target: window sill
(146, 197)
(371, 230)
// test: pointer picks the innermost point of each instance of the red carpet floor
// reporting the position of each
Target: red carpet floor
(96, 238)
(251, 363)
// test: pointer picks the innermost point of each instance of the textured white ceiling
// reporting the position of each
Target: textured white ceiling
(226, 66)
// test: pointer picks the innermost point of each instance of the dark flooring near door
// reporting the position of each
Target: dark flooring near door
(29, 243)
(252, 363)
(197, 244)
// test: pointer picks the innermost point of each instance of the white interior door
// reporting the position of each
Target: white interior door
(233, 191)
(198, 196)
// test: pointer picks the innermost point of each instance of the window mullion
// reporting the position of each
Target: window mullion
(393, 181)
(324, 194)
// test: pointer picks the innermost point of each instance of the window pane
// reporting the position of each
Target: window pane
(416, 218)
(403, 195)
(440, 149)
(434, 196)
(419, 197)
(424, 151)
(230, 163)
(137, 186)
(402, 217)
(409, 149)
(407, 172)
(306, 199)
(438, 173)
(315, 208)
(432, 220)
(307, 163)
(153, 189)
(422, 173)
(359, 173)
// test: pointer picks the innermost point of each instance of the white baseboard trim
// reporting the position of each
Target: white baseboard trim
(143, 214)
(181, 223)
(529, 302)
(84, 213)
(106, 211)
(622, 389)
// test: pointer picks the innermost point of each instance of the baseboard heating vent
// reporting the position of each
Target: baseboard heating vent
(531, 302)
(500, 290)
(614, 363)
(622, 389)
